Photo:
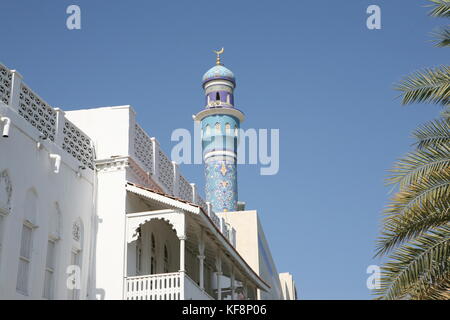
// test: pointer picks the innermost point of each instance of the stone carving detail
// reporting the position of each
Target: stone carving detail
(184, 189)
(37, 112)
(78, 144)
(5, 85)
(143, 148)
(6, 192)
(76, 231)
(165, 171)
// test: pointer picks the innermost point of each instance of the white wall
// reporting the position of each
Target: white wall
(108, 127)
(108, 274)
(252, 245)
(31, 170)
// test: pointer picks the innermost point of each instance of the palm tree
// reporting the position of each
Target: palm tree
(416, 228)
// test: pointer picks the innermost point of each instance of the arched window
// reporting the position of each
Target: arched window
(217, 96)
(153, 255)
(153, 243)
(139, 253)
(166, 259)
(207, 130)
(26, 245)
(218, 128)
(236, 131)
(227, 128)
(52, 248)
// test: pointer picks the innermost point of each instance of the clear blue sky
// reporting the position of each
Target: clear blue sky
(309, 68)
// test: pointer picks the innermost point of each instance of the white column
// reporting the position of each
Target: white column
(201, 269)
(245, 290)
(182, 253)
(176, 187)
(233, 289)
(15, 89)
(219, 274)
(201, 258)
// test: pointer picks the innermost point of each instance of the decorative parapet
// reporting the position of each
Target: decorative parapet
(201, 203)
(5, 84)
(37, 112)
(143, 149)
(165, 173)
(78, 144)
(49, 122)
(184, 188)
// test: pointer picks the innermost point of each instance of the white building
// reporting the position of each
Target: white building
(92, 208)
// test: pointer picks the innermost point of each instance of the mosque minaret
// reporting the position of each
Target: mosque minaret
(220, 122)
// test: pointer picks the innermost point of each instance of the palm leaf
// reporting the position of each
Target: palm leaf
(400, 228)
(434, 134)
(429, 85)
(415, 264)
(441, 8)
(442, 37)
(419, 164)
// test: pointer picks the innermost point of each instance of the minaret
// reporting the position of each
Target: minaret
(220, 122)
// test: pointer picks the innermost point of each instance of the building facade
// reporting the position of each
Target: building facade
(92, 208)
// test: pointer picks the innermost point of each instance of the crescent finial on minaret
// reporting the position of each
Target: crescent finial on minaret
(218, 53)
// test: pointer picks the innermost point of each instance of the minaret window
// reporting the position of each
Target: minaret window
(217, 96)
(217, 128)
(207, 130)
(227, 128)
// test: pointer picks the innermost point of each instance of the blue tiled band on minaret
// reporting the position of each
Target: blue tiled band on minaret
(219, 142)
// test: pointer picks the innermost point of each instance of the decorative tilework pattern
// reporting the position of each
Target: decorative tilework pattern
(221, 185)
(218, 71)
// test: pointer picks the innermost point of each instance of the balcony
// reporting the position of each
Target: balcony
(165, 286)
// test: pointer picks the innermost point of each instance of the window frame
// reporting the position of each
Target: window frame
(28, 260)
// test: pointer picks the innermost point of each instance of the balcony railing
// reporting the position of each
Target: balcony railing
(164, 286)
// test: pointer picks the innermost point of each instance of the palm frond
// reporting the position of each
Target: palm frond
(445, 114)
(418, 165)
(441, 8)
(421, 195)
(429, 85)
(419, 262)
(434, 134)
(442, 37)
(400, 228)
